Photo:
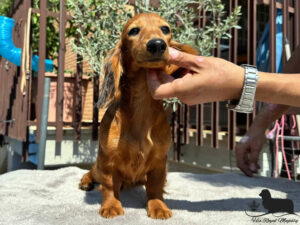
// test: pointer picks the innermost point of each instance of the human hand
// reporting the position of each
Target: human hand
(248, 149)
(208, 79)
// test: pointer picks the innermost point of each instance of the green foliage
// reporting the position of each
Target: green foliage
(5, 6)
(181, 12)
(52, 5)
(99, 25)
(52, 36)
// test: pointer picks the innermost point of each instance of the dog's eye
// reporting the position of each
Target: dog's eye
(134, 31)
(165, 29)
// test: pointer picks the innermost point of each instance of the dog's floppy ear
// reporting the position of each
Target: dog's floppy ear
(173, 69)
(112, 70)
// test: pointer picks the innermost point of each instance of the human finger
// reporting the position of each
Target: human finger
(159, 87)
(242, 159)
(185, 60)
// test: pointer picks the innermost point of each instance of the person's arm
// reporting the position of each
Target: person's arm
(213, 79)
(293, 110)
(248, 149)
(278, 88)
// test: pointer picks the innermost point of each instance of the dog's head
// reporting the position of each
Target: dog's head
(146, 38)
(265, 194)
(143, 44)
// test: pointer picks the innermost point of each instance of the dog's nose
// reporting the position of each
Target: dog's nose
(156, 46)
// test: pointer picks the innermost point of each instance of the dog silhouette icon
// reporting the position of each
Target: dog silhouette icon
(274, 205)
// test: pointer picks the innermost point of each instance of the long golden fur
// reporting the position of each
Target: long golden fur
(134, 133)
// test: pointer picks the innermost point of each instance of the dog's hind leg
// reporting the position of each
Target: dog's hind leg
(87, 181)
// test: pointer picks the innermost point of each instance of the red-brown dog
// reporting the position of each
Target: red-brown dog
(134, 133)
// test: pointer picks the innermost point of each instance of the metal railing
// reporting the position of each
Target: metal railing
(291, 31)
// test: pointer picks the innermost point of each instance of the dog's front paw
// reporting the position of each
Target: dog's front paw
(111, 209)
(86, 183)
(157, 209)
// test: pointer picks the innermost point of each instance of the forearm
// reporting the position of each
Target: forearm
(269, 114)
(272, 112)
(278, 88)
(293, 110)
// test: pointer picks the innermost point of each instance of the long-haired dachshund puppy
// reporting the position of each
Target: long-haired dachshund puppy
(134, 133)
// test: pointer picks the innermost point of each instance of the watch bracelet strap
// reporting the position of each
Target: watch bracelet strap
(246, 101)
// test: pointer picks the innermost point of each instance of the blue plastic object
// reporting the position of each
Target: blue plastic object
(9, 51)
(32, 149)
(263, 50)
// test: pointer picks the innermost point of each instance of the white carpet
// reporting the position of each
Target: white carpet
(52, 197)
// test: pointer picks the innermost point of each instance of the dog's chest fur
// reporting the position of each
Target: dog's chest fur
(139, 134)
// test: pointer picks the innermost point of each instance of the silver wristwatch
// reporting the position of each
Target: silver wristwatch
(245, 104)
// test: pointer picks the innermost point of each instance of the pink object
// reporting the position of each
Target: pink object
(282, 147)
(294, 121)
(277, 146)
(277, 128)
(271, 133)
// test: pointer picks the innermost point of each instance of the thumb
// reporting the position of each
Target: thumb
(160, 88)
(185, 60)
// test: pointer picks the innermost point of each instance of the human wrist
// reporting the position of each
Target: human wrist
(260, 124)
(237, 81)
(262, 121)
(263, 86)
(246, 99)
